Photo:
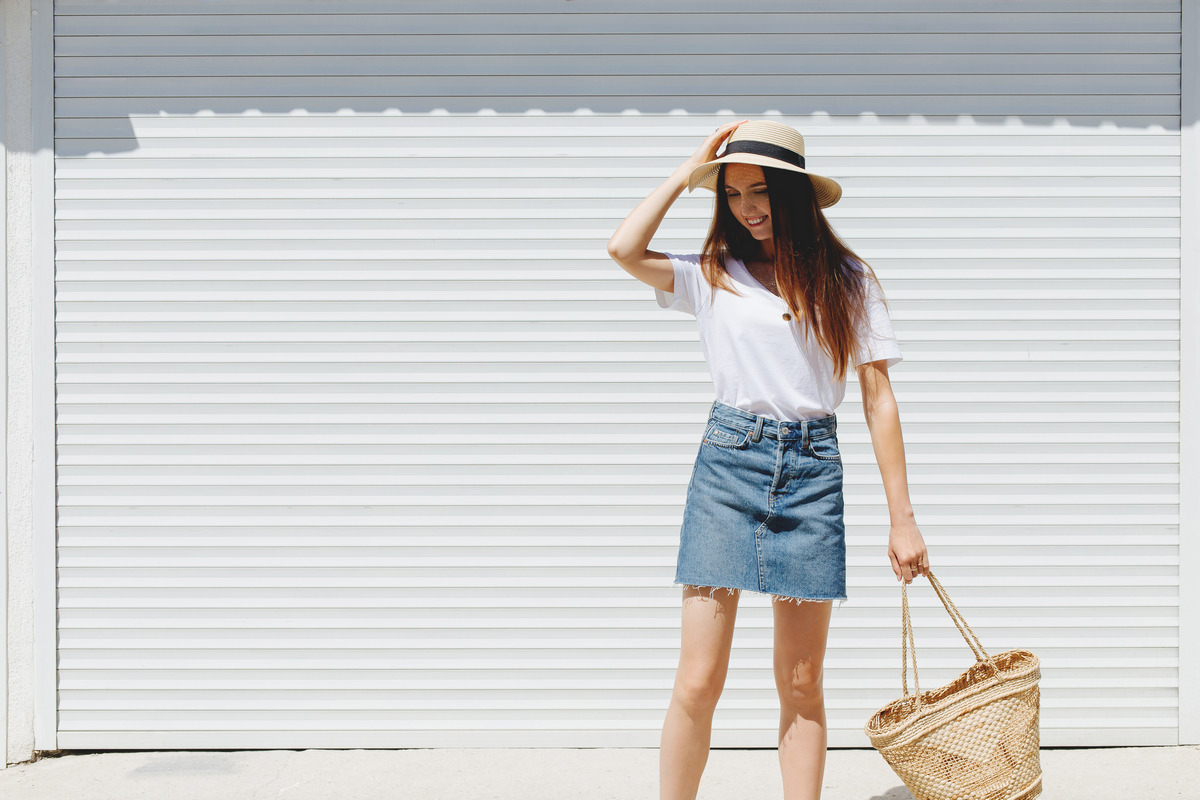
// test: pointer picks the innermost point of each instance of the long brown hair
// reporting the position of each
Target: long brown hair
(818, 275)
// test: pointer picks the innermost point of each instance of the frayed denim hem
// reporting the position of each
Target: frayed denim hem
(712, 590)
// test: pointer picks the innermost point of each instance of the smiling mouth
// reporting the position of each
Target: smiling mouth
(756, 221)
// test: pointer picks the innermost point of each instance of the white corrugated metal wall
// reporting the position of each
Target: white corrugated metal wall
(362, 440)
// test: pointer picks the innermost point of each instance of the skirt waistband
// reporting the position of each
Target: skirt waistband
(773, 428)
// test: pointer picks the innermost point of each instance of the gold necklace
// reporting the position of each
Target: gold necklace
(765, 275)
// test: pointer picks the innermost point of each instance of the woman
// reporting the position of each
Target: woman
(784, 307)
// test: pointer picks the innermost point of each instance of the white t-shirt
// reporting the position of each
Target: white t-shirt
(759, 361)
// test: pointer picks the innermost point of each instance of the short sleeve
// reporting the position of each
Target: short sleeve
(691, 288)
(878, 339)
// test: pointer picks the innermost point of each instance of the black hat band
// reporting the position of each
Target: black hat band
(764, 149)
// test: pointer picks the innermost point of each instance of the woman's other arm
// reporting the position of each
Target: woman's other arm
(630, 244)
(905, 543)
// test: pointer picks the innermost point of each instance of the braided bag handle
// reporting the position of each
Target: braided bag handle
(907, 641)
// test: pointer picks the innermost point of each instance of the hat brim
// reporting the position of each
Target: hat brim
(828, 191)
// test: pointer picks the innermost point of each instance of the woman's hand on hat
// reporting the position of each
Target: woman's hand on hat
(708, 151)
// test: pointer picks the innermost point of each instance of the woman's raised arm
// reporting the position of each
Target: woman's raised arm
(630, 244)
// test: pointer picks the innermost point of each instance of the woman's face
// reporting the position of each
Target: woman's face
(746, 193)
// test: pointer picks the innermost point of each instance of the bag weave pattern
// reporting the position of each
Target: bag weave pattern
(976, 738)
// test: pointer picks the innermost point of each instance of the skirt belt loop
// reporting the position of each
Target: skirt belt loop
(756, 437)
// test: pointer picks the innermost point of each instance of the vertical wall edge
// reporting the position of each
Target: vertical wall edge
(1189, 378)
(45, 650)
(4, 605)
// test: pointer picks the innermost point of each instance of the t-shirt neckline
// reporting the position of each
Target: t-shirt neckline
(756, 282)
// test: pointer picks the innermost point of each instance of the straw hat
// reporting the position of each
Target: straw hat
(767, 144)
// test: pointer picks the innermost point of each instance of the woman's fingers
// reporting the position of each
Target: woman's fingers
(917, 568)
(728, 128)
(722, 133)
(920, 561)
(724, 130)
(909, 566)
(907, 551)
(708, 150)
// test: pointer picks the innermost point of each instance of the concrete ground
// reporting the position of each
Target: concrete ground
(1153, 773)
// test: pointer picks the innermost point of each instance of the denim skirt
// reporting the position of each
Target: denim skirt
(764, 508)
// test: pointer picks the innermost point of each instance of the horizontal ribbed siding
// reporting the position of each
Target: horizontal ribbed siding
(363, 441)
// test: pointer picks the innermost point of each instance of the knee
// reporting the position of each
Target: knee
(799, 685)
(697, 690)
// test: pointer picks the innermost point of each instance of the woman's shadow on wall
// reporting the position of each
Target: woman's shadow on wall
(895, 793)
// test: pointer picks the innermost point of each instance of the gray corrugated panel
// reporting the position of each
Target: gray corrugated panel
(799, 65)
(363, 441)
(194, 7)
(647, 22)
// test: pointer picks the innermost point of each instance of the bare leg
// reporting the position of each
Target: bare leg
(801, 630)
(707, 633)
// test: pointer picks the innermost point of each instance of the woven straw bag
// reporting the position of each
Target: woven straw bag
(975, 738)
